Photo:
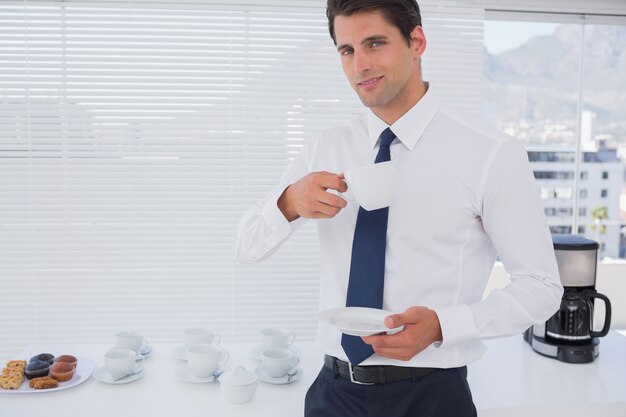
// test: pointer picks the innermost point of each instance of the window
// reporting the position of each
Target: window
(134, 134)
(534, 66)
(551, 175)
(561, 229)
(582, 211)
(563, 193)
(547, 156)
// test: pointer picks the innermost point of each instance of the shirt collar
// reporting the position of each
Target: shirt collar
(410, 127)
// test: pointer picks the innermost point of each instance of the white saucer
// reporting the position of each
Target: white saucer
(184, 374)
(265, 377)
(102, 375)
(256, 351)
(358, 321)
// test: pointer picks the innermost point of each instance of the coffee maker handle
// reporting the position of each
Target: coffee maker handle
(607, 316)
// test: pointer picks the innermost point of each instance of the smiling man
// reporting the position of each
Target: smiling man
(466, 194)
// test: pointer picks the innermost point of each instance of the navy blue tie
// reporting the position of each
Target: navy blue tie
(367, 267)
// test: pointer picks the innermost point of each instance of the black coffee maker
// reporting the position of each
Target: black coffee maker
(568, 335)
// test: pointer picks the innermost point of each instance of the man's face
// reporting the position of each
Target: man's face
(379, 64)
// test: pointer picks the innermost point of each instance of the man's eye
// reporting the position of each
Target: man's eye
(347, 51)
(377, 43)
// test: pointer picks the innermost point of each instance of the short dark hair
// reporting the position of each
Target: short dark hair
(403, 14)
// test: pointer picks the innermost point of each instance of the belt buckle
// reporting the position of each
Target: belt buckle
(354, 380)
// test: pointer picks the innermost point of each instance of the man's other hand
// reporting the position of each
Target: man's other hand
(421, 329)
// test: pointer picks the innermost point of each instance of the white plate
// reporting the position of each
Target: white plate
(103, 375)
(184, 374)
(358, 321)
(256, 351)
(265, 377)
(84, 369)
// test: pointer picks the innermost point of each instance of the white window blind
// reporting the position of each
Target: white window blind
(133, 135)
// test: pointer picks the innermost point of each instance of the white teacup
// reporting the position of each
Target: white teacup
(129, 340)
(200, 335)
(277, 362)
(276, 337)
(204, 359)
(122, 362)
(372, 186)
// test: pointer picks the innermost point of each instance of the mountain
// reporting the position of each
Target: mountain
(539, 80)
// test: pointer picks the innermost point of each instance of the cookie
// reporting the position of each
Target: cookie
(11, 381)
(13, 375)
(44, 382)
(12, 371)
(16, 364)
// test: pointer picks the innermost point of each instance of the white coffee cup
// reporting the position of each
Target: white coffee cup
(276, 337)
(129, 339)
(277, 362)
(372, 186)
(121, 362)
(200, 335)
(204, 359)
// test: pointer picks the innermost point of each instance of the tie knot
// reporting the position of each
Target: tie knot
(387, 137)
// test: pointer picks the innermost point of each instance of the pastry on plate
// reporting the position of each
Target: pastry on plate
(12, 381)
(13, 375)
(44, 382)
(16, 364)
(37, 368)
(46, 357)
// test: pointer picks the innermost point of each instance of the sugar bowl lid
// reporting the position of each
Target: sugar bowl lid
(238, 376)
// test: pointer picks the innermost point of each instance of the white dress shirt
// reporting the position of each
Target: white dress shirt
(465, 193)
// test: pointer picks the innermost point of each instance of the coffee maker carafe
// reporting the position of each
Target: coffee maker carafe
(569, 335)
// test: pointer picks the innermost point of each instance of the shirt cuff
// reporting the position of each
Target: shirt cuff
(272, 215)
(457, 324)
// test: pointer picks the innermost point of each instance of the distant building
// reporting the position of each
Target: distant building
(601, 174)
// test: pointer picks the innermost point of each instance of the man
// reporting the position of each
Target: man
(465, 194)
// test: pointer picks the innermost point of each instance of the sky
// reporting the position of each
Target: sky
(501, 36)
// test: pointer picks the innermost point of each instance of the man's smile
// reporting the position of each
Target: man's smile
(370, 82)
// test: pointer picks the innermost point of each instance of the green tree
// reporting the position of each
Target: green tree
(599, 216)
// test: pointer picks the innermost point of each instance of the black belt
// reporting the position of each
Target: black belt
(374, 374)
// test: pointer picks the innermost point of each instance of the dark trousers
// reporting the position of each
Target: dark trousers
(441, 393)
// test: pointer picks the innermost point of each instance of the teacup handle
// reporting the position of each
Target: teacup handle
(347, 195)
(291, 338)
(295, 361)
(138, 363)
(225, 357)
(217, 339)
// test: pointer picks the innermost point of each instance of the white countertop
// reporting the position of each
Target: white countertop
(513, 380)
(510, 380)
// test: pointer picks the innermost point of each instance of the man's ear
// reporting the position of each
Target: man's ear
(418, 41)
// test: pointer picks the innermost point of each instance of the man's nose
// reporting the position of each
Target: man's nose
(362, 62)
